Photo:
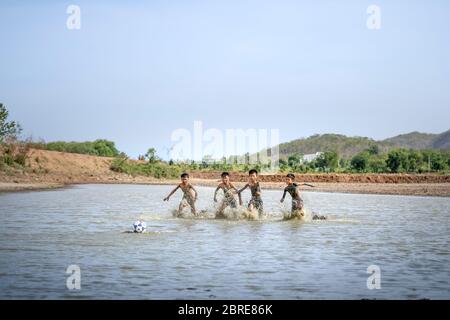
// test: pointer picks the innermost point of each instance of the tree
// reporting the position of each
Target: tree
(397, 160)
(105, 148)
(414, 161)
(207, 160)
(151, 155)
(360, 161)
(294, 160)
(373, 149)
(282, 164)
(343, 163)
(7, 129)
(377, 163)
(438, 162)
(328, 160)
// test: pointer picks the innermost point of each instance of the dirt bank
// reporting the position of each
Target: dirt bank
(50, 169)
(17, 186)
(336, 177)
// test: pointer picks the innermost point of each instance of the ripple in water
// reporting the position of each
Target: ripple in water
(241, 257)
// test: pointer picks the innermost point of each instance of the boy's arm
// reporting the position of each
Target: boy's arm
(240, 198)
(258, 190)
(307, 184)
(284, 195)
(171, 193)
(234, 188)
(245, 187)
(297, 192)
(195, 191)
(215, 193)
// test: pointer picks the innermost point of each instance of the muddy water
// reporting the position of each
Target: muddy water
(42, 233)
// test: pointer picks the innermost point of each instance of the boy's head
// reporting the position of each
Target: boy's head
(290, 178)
(253, 175)
(225, 177)
(184, 177)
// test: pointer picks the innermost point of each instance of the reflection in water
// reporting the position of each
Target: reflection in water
(42, 233)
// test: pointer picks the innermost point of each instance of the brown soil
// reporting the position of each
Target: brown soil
(49, 169)
(336, 177)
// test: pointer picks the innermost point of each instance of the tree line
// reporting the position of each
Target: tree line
(398, 160)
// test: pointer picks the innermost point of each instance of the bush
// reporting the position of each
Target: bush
(377, 164)
(14, 152)
(438, 163)
(328, 161)
(414, 161)
(100, 147)
(360, 162)
(8, 129)
(397, 160)
(156, 169)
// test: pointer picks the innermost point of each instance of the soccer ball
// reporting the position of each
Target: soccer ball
(139, 226)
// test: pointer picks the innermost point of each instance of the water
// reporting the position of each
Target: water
(42, 233)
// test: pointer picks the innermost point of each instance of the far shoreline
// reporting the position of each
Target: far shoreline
(403, 189)
(50, 170)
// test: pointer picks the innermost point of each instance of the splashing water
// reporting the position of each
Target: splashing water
(279, 212)
(199, 257)
(243, 213)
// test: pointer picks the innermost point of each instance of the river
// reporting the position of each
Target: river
(42, 233)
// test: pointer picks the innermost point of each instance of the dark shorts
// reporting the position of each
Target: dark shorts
(297, 205)
(257, 204)
(189, 200)
(231, 202)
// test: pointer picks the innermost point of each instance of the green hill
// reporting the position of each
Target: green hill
(413, 140)
(349, 146)
(345, 146)
(442, 141)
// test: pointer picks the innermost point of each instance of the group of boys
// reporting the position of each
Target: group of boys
(229, 190)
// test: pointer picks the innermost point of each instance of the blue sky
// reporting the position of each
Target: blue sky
(137, 70)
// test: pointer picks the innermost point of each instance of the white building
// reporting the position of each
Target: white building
(310, 157)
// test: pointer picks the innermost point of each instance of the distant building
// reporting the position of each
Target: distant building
(310, 157)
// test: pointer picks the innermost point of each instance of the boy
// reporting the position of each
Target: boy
(228, 200)
(255, 201)
(292, 189)
(188, 197)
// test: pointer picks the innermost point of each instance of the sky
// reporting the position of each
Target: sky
(137, 71)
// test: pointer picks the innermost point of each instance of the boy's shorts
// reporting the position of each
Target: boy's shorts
(189, 201)
(231, 202)
(297, 205)
(257, 204)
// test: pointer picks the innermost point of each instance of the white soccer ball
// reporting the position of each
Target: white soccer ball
(139, 226)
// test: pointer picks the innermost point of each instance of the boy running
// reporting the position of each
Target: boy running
(228, 200)
(292, 189)
(255, 201)
(188, 197)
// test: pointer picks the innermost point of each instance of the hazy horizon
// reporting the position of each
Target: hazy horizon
(136, 72)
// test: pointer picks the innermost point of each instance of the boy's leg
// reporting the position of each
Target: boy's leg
(297, 208)
(233, 205)
(219, 213)
(260, 208)
(192, 205)
(181, 207)
(250, 205)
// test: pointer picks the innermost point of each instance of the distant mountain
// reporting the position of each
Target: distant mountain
(442, 141)
(345, 146)
(413, 140)
(349, 146)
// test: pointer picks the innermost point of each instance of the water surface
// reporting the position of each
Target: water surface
(42, 233)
